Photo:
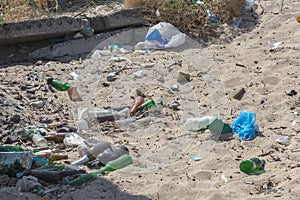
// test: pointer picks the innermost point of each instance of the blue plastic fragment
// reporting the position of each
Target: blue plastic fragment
(245, 125)
(156, 35)
(196, 158)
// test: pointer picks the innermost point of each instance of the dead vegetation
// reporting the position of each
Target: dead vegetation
(192, 19)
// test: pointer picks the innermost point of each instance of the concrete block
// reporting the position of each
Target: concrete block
(40, 29)
(127, 36)
(118, 19)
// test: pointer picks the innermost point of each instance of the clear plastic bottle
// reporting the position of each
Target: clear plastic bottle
(39, 140)
(112, 154)
(199, 123)
(93, 152)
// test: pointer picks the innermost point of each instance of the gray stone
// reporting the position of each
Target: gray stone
(40, 29)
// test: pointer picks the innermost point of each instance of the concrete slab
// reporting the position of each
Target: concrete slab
(127, 36)
(40, 29)
(118, 19)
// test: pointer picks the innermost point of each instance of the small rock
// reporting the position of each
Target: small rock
(38, 104)
(10, 139)
(111, 76)
(38, 63)
(139, 74)
(147, 65)
(175, 87)
(15, 119)
(175, 105)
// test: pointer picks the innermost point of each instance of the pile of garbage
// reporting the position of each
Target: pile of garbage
(36, 155)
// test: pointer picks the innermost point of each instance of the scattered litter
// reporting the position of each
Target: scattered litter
(183, 77)
(245, 125)
(119, 163)
(59, 85)
(211, 123)
(175, 87)
(253, 166)
(223, 178)
(29, 184)
(196, 158)
(74, 94)
(162, 36)
(73, 139)
(74, 75)
(282, 139)
(276, 46)
(240, 94)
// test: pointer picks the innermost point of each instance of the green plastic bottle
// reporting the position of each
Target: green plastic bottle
(59, 85)
(113, 165)
(11, 149)
(253, 166)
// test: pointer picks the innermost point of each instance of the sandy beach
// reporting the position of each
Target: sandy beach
(162, 167)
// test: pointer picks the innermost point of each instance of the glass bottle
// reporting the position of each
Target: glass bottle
(59, 85)
(138, 101)
(253, 166)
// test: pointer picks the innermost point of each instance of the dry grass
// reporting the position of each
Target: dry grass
(193, 19)
(17, 10)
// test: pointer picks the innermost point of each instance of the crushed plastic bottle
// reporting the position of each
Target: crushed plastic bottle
(92, 152)
(199, 123)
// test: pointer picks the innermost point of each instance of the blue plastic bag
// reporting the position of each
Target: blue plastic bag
(245, 125)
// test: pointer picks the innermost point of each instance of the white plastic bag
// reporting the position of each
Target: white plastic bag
(161, 36)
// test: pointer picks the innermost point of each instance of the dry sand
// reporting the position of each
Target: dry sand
(162, 167)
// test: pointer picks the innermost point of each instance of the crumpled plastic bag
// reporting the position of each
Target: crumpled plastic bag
(161, 36)
(245, 125)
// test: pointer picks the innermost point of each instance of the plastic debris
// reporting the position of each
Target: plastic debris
(13, 163)
(29, 184)
(73, 139)
(196, 158)
(245, 125)
(162, 36)
(282, 139)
